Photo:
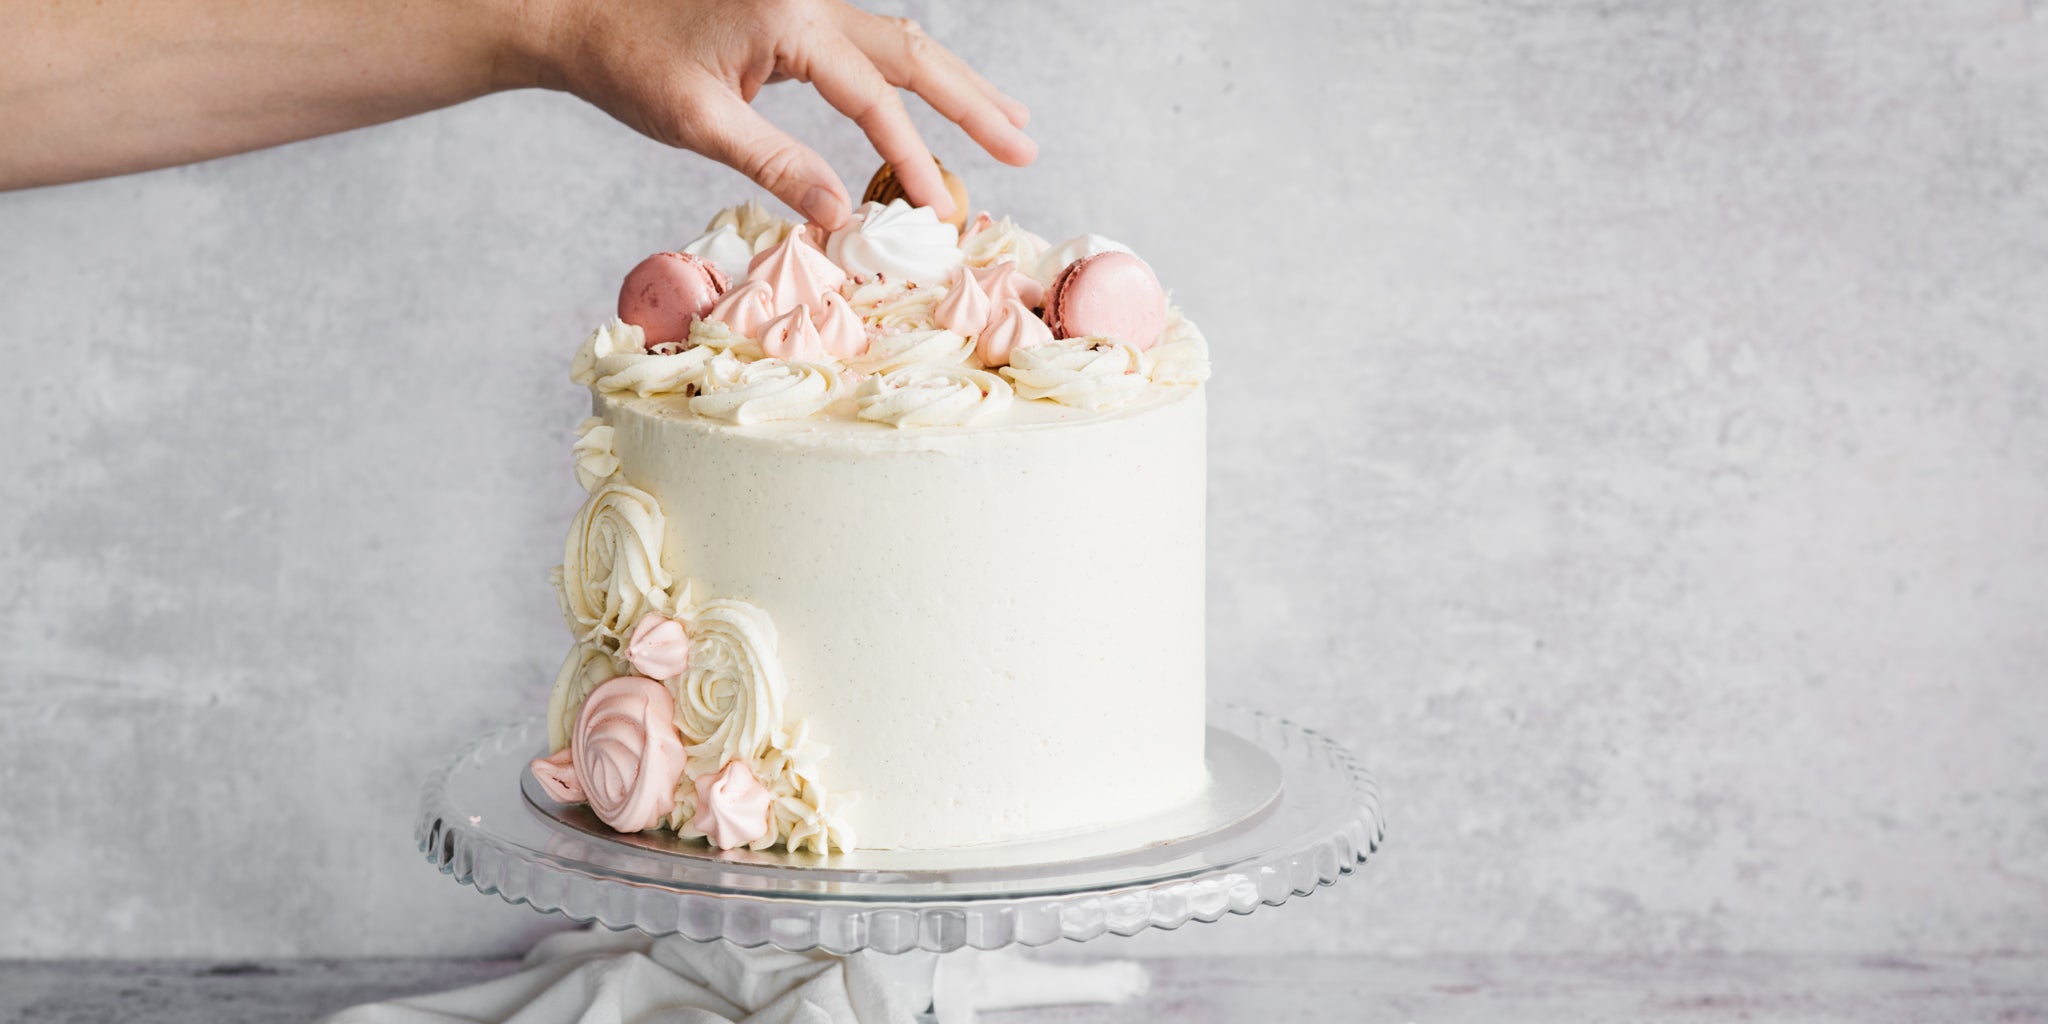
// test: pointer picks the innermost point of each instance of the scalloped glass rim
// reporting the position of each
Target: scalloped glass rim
(476, 825)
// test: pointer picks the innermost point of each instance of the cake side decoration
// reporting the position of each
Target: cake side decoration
(625, 754)
(588, 666)
(659, 647)
(611, 570)
(595, 462)
(732, 807)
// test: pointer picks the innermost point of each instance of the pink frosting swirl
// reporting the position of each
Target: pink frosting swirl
(965, 309)
(659, 647)
(792, 337)
(1004, 281)
(796, 272)
(746, 309)
(840, 330)
(624, 758)
(732, 806)
(1011, 328)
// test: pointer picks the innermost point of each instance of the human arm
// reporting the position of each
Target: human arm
(93, 89)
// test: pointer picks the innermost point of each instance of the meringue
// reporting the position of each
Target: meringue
(896, 242)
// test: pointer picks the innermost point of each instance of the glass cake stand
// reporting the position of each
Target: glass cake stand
(1287, 812)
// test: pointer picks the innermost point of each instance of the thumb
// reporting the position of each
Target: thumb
(723, 127)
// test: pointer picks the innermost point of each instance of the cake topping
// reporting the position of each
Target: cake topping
(1001, 242)
(754, 224)
(840, 330)
(1005, 281)
(732, 807)
(965, 309)
(897, 241)
(797, 273)
(668, 291)
(936, 347)
(884, 188)
(659, 647)
(626, 754)
(1107, 295)
(770, 389)
(792, 337)
(746, 309)
(726, 250)
(1011, 328)
(932, 396)
(1080, 247)
(1087, 373)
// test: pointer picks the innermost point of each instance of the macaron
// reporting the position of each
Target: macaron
(667, 292)
(883, 188)
(1108, 295)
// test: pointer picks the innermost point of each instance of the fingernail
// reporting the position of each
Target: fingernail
(821, 206)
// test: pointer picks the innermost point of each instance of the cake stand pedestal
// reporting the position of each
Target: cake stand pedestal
(1287, 812)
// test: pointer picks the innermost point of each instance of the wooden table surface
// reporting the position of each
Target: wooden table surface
(1425, 990)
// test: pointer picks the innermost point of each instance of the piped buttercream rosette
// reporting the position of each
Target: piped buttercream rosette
(1087, 373)
(611, 572)
(929, 396)
(769, 389)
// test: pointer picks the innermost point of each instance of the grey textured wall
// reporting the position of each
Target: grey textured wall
(1629, 432)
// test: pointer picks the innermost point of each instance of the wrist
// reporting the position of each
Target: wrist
(530, 34)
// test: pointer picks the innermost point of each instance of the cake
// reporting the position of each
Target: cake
(894, 539)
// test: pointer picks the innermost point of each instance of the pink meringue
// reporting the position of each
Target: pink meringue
(1004, 280)
(1012, 327)
(965, 309)
(627, 753)
(792, 337)
(982, 222)
(732, 806)
(556, 774)
(796, 272)
(840, 329)
(659, 647)
(746, 309)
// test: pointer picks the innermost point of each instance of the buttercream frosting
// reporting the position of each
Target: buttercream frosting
(897, 242)
(932, 396)
(587, 666)
(611, 570)
(937, 347)
(614, 337)
(1088, 373)
(729, 702)
(1001, 242)
(770, 389)
(668, 374)
(1182, 355)
(891, 307)
(593, 450)
(754, 223)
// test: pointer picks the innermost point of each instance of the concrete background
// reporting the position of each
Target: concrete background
(1629, 433)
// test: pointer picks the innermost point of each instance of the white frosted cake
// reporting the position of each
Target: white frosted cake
(894, 540)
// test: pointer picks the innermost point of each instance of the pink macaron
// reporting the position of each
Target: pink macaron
(1108, 295)
(667, 292)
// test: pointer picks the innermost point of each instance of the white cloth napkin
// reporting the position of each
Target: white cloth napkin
(603, 977)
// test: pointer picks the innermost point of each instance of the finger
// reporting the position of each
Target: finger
(721, 126)
(848, 80)
(909, 58)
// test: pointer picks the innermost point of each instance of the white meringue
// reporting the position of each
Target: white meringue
(899, 241)
(1079, 247)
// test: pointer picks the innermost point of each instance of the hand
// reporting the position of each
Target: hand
(684, 71)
